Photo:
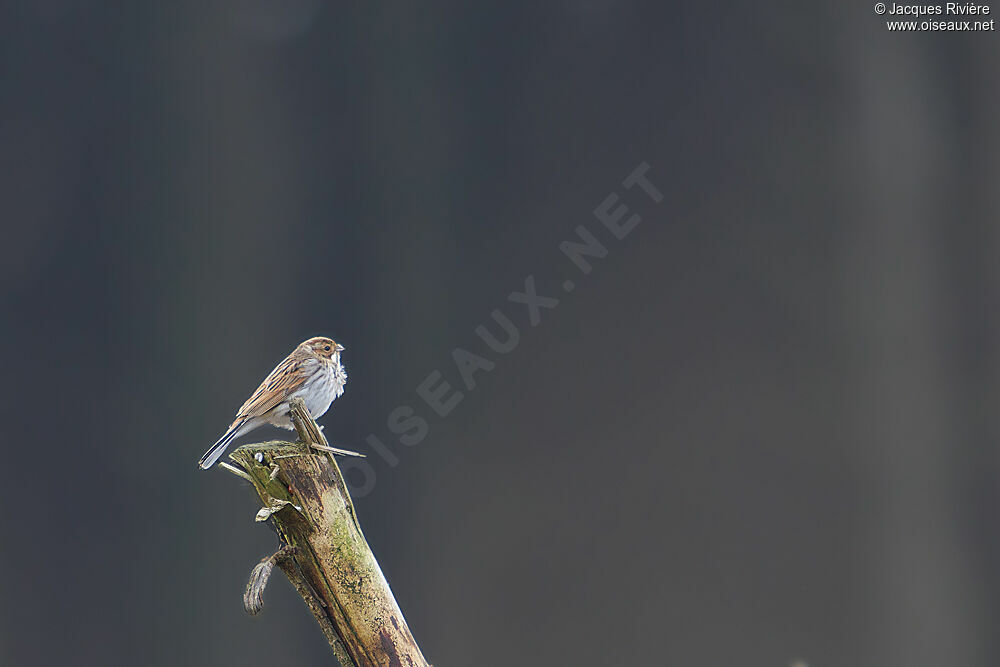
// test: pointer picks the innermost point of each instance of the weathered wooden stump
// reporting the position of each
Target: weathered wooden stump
(327, 558)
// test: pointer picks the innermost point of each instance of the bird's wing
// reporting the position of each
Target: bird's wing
(276, 387)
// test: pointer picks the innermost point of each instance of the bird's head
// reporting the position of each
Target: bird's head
(324, 348)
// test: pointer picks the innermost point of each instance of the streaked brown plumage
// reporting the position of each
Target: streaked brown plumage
(312, 371)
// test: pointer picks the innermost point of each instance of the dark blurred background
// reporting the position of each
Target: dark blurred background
(762, 430)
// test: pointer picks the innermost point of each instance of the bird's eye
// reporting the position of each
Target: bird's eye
(327, 348)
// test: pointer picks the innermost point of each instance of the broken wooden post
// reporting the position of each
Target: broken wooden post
(327, 558)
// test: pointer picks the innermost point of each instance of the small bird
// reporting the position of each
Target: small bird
(312, 371)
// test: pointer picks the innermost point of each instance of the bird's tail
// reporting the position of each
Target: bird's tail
(209, 458)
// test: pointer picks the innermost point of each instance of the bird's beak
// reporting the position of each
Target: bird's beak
(340, 348)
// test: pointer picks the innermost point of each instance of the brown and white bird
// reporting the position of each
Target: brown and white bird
(312, 371)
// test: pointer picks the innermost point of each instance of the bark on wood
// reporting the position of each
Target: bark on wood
(327, 558)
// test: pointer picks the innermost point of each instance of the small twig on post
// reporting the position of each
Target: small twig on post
(236, 471)
(327, 558)
(307, 428)
(338, 451)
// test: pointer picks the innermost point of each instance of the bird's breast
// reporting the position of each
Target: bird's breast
(323, 388)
